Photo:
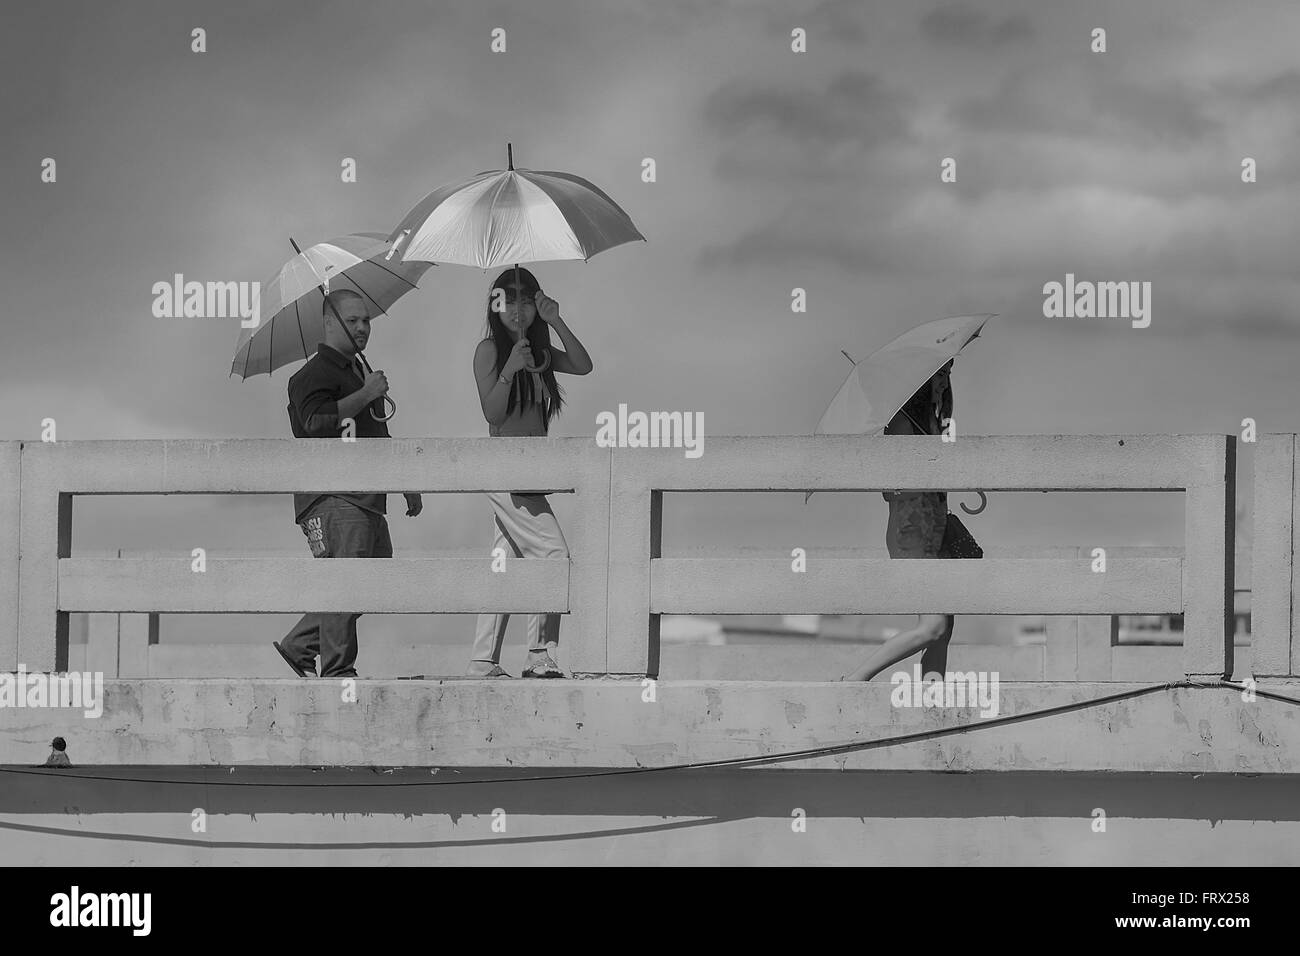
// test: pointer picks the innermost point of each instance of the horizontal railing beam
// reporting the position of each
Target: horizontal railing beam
(921, 463)
(283, 465)
(361, 585)
(840, 586)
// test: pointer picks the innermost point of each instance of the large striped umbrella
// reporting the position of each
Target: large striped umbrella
(512, 216)
(294, 297)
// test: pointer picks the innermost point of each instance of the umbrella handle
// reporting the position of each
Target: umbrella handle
(984, 503)
(385, 399)
(546, 363)
(384, 418)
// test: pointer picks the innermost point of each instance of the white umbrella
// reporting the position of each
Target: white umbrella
(882, 383)
(295, 296)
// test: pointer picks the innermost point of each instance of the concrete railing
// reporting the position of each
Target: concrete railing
(642, 584)
(51, 583)
(616, 583)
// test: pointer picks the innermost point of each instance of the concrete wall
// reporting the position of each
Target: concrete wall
(590, 772)
(608, 723)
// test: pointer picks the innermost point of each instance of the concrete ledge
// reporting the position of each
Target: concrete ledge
(568, 724)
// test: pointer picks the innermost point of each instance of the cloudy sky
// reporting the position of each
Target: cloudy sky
(775, 170)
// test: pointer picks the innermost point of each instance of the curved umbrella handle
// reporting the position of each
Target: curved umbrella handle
(984, 503)
(546, 363)
(384, 418)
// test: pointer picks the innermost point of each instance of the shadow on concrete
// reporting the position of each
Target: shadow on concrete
(717, 794)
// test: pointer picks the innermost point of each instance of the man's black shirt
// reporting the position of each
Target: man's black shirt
(314, 394)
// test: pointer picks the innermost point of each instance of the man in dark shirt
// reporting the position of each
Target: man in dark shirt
(329, 396)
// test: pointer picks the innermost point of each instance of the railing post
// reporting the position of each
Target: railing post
(632, 539)
(1274, 650)
(586, 651)
(10, 483)
(45, 535)
(1208, 566)
(656, 551)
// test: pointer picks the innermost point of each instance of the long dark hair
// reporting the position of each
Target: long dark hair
(918, 407)
(539, 338)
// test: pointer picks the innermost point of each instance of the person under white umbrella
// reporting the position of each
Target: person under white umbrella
(327, 398)
(881, 395)
(295, 300)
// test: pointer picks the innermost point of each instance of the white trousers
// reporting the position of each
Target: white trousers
(525, 528)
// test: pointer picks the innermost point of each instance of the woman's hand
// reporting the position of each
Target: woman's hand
(548, 310)
(520, 356)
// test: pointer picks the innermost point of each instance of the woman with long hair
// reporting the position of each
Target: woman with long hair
(917, 521)
(521, 403)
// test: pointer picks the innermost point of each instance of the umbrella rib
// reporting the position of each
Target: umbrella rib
(391, 273)
(302, 338)
(270, 350)
(366, 294)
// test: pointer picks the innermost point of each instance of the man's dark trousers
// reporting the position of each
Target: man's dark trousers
(335, 528)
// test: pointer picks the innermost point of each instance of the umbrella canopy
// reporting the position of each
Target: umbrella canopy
(510, 216)
(882, 383)
(294, 298)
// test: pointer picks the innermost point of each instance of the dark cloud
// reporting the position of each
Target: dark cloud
(1015, 106)
(1283, 87)
(1266, 323)
(776, 243)
(855, 107)
(962, 25)
(852, 232)
(1113, 111)
(839, 21)
(1171, 114)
